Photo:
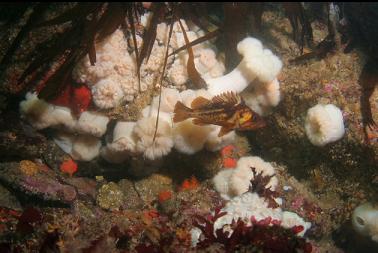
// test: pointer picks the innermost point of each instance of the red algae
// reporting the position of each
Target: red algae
(77, 98)
(189, 184)
(164, 196)
(69, 167)
(229, 163)
(228, 150)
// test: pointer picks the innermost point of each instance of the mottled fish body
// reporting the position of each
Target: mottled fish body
(227, 110)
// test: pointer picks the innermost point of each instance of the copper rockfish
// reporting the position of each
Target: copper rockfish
(227, 110)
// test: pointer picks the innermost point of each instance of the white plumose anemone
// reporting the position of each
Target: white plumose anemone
(124, 143)
(145, 129)
(190, 138)
(240, 179)
(85, 148)
(92, 123)
(42, 115)
(262, 96)
(257, 63)
(290, 219)
(365, 220)
(215, 143)
(124, 139)
(221, 182)
(324, 124)
(169, 98)
(107, 93)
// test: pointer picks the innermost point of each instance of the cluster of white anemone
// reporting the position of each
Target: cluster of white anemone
(90, 125)
(243, 204)
(112, 80)
(185, 137)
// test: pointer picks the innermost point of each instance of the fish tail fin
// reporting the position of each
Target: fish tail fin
(181, 111)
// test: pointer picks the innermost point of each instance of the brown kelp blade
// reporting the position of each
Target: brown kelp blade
(130, 19)
(81, 10)
(111, 19)
(189, 13)
(37, 14)
(163, 71)
(157, 9)
(49, 54)
(92, 53)
(191, 67)
(206, 37)
(56, 83)
(235, 28)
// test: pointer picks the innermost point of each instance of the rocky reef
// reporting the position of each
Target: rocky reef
(103, 167)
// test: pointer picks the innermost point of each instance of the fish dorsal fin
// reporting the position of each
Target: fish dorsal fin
(228, 98)
(200, 102)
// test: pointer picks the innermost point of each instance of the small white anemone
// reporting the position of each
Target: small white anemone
(36, 111)
(205, 61)
(42, 115)
(178, 73)
(257, 63)
(107, 93)
(190, 138)
(324, 124)
(365, 220)
(92, 123)
(240, 179)
(152, 111)
(62, 116)
(169, 98)
(215, 143)
(263, 96)
(85, 148)
(221, 182)
(124, 139)
(187, 96)
(290, 219)
(244, 207)
(145, 130)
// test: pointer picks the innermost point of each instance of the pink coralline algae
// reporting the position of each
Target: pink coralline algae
(305, 208)
(48, 188)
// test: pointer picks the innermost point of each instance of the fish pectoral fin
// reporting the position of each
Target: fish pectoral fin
(224, 130)
(199, 122)
(200, 102)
